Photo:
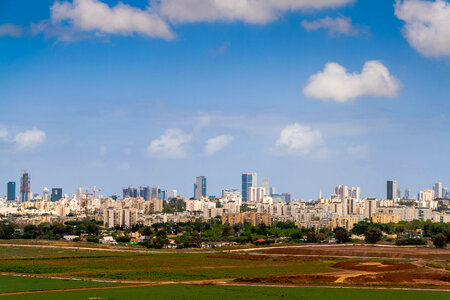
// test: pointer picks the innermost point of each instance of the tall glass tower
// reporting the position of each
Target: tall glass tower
(391, 189)
(248, 180)
(200, 187)
(25, 187)
(11, 191)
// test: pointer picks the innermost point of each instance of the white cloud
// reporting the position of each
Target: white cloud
(29, 139)
(11, 30)
(358, 151)
(298, 139)
(249, 11)
(335, 26)
(171, 144)
(93, 16)
(335, 83)
(215, 144)
(427, 25)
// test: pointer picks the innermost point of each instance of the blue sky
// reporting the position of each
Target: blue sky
(87, 102)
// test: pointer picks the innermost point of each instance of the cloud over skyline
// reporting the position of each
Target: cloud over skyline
(336, 84)
(427, 25)
(334, 26)
(215, 144)
(171, 144)
(298, 140)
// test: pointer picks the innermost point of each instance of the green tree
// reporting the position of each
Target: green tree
(439, 240)
(341, 235)
(372, 235)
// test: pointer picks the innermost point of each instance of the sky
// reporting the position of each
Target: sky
(309, 94)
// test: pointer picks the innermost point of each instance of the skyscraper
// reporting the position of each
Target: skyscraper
(25, 187)
(391, 189)
(406, 195)
(438, 190)
(341, 191)
(11, 191)
(56, 194)
(200, 187)
(248, 180)
(265, 185)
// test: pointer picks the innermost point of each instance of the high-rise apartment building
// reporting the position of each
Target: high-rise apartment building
(11, 191)
(265, 185)
(341, 191)
(200, 187)
(248, 180)
(438, 190)
(391, 189)
(354, 193)
(25, 187)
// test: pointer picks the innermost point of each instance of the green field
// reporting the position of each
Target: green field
(236, 292)
(158, 266)
(19, 283)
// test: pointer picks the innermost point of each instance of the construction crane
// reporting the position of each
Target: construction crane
(95, 189)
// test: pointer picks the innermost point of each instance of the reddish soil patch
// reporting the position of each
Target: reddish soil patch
(402, 277)
(374, 266)
(364, 251)
(290, 279)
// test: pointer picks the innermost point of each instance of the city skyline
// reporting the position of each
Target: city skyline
(223, 92)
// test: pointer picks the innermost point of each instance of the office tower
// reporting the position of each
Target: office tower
(407, 194)
(25, 187)
(11, 191)
(426, 195)
(200, 187)
(272, 191)
(265, 185)
(445, 193)
(56, 194)
(438, 190)
(399, 194)
(341, 191)
(248, 180)
(355, 193)
(391, 189)
(126, 192)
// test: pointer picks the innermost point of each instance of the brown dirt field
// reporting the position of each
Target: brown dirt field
(438, 278)
(290, 279)
(365, 251)
(374, 266)
(261, 257)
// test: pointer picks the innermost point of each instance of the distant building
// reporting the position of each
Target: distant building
(341, 191)
(230, 192)
(355, 193)
(391, 189)
(248, 180)
(248, 217)
(56, 194)
(265, 185)
(11, 191)
(173, 194)
(200, 187)
(370, 207)
(25, 194)
(438, 190)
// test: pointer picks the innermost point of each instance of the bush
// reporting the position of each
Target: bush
(123, 239)
(439, 240)
(411, 241)
(341, 235)
(434, 265)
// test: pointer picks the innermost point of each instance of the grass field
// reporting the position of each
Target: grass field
(163, 266)
(18, 284)
(236, 292)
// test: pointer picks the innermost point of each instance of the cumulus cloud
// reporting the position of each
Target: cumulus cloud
(334, 26)
(93, 16)
(249, 11)
(358, 151)
(11, 30)
(427, 25)
(171, 144)
(215, 144)
(336, 84)
(298, 139)
(30, 139)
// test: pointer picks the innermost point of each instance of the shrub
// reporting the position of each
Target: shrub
(439, 240)
(372, 235)
(410, 241)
